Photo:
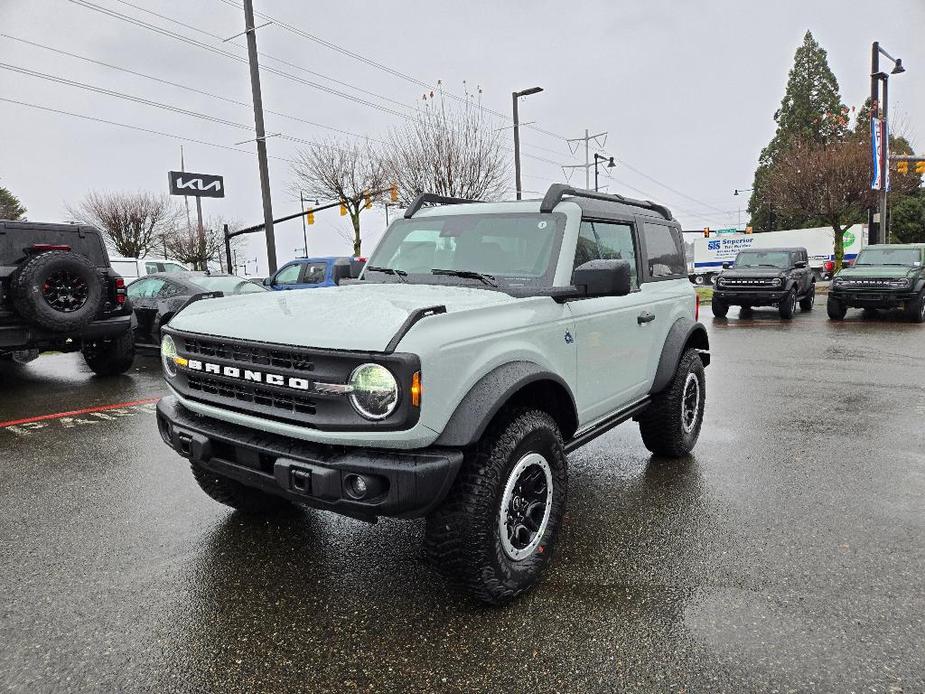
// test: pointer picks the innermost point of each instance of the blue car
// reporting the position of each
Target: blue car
(308, 273)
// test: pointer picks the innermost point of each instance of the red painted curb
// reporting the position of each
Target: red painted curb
(74, 413)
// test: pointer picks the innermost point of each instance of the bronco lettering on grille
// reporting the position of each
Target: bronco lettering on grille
(248, 375)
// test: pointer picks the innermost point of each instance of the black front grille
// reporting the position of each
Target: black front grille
(245, 393)
(746, 283)
(243, 353)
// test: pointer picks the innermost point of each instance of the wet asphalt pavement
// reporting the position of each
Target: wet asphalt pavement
(787, 555)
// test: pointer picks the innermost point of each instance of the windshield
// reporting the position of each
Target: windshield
(510, 250)
(778, 259)
(890, 256)
(229, 285)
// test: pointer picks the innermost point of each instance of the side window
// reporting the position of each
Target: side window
(288, 275)
(664, 256)
(137, 289)
(607, 241)
(173, 267)
(314, 273)
(168, 290)
(145, 289)
(151, 268)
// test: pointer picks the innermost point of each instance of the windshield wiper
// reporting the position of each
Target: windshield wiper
(400, 274)
(467, 274)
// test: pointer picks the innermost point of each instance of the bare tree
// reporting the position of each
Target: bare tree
(345, 171)
(829, 180)
(133, 223)
(448, 150)
(186, 244)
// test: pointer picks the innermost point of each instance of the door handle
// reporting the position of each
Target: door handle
(645, 317)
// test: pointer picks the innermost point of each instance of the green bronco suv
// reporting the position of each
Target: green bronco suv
(482, 344)
(882, 277)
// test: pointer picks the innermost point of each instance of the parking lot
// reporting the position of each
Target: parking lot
(787, 555)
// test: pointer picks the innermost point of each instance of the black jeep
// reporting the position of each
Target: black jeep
(58, 292)
(882, 277)
(766, 277)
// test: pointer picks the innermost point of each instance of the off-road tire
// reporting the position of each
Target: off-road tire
(915, 309)
(807, 302)
(462, 536)
(240, 497)
(29, 282)
(110, 357)
(788, 305)
(720, 308)
(836, 309)
(661, 423)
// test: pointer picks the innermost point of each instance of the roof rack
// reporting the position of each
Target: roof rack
(557, 191)
(432, 198)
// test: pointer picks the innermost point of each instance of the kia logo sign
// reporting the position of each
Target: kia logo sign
(196, 184)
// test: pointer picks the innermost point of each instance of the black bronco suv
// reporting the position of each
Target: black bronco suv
(882, 277)
(58, 292)
(766, 277)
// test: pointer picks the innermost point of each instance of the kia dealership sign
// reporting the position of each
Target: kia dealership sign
(196, 184)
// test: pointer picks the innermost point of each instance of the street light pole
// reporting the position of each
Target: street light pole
(514, 97)
(879, 83)
(599, 158)
(304, 227)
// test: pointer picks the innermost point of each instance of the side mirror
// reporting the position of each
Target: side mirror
(267, 281)
(800, 264)
(604, 278)
(727, 265)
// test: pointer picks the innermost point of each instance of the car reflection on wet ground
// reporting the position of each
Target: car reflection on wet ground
(787, 554)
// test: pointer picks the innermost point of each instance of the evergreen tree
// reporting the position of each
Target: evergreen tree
(811, 111)
(10, 207)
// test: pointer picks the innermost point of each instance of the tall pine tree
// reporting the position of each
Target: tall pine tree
(811, 110)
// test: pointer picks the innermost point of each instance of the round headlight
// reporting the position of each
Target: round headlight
(904, 282)
(374, 391)
(168, 355)
(720, 282)
(776, 282)
(838, 280)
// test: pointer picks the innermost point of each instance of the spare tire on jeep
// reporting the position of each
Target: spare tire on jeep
(60, 291)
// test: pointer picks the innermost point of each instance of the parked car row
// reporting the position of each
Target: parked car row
(882, 277)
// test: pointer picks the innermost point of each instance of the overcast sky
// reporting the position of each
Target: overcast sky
(686, 91)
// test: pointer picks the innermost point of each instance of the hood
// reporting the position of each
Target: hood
(361, 317)
(876, 271)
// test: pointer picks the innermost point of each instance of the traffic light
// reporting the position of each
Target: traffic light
(902, 167)
(393, 194)
(310, 216)
(343, 210)
(920, 167)
(748, 230)
(706, 232)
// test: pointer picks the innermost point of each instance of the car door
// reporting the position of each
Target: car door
(287, 278)
(613, 335)
(143, 295)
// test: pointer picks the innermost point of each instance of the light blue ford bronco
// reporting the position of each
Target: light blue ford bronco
(482, 344)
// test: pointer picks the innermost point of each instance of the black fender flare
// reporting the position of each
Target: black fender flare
(685, 332)
(490, 393)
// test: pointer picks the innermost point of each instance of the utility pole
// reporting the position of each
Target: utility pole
(514, 97)
(251, 32)
(588, 163)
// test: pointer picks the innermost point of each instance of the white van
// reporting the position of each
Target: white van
(133, 268)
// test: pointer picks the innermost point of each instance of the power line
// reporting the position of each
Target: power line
(185, 87)
(231, 56)
(135, 127)
(263, 55)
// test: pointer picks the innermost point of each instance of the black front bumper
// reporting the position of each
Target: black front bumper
(873, 298)
(25, 336)
(411, 482)
(750, 297)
